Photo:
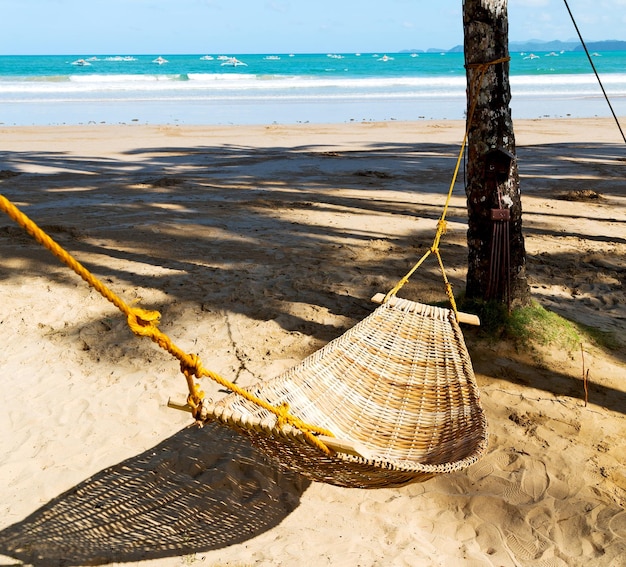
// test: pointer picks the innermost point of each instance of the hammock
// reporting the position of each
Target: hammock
(397, 390)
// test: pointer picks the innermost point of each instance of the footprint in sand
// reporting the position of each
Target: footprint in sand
(535, 480)
(488, 465)
(526, 549)
(617, 525)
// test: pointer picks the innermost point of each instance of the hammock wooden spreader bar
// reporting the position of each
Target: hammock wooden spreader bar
(467, 318)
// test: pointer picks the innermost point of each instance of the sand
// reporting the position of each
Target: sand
(259, 245)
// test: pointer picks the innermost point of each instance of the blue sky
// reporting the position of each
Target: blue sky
(279, 26)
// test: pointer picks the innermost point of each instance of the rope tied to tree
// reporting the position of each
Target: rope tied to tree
(606, 97)
(475, 86)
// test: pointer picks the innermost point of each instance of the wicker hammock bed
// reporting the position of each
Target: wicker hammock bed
(398, 388)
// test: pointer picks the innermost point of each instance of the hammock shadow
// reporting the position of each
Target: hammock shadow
(201, 489)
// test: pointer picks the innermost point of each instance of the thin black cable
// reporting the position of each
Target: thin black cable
(594, 70)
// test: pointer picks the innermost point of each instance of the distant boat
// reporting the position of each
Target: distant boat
(532, 56)
(159, 60)
(233, 62)
(207, 58)
(120, 58)
(271, 58)
(385, 58)
(414, 55)
(81, 63)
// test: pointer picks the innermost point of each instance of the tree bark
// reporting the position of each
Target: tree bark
(493, 189)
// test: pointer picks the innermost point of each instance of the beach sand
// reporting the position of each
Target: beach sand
(259, 245)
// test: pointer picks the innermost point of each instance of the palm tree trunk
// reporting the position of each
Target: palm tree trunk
(497, 256)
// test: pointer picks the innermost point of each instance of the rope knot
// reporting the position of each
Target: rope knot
(143, 322)
(191, 367)
(282, 414)
(442, 226)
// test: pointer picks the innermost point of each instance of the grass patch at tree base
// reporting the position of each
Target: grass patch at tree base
(534, 326)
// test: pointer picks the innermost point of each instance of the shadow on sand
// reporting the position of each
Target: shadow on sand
(201, 489)
(185, 495)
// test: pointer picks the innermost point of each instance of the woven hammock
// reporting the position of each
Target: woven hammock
(398, 388)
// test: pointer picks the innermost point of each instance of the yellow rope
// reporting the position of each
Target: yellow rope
(145, 323)
(441, 224)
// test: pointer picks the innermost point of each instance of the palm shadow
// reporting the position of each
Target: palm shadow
(203, 488)
(517, 369)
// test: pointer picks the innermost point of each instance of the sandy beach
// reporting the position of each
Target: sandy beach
(259, 245)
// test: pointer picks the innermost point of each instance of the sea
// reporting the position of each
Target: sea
(255, 89)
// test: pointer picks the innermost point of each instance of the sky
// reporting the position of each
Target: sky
(280, 26)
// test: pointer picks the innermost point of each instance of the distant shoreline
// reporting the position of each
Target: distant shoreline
(93, 138)
(514, 47)
(540, 46)
(258, 89)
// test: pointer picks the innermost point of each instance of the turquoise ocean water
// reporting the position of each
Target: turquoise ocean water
(291, 88)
